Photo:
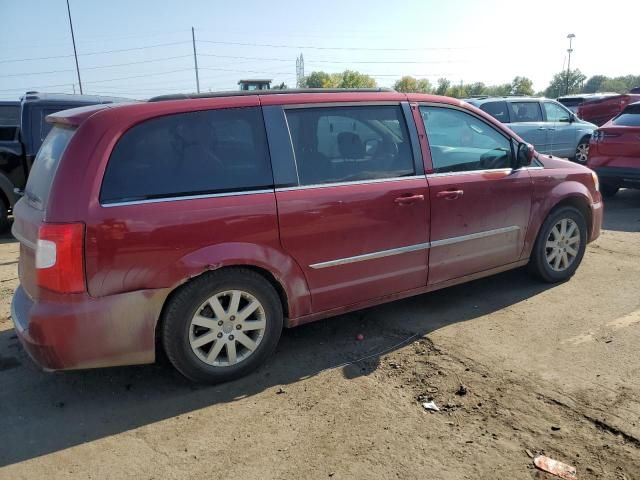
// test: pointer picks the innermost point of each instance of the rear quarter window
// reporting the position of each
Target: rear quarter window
(46, 164)
(194, 153)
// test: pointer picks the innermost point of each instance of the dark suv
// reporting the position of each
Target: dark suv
(209, 223)
(22, 130)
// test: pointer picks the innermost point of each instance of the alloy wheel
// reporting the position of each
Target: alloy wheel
(582, 153)
(227, 328)
(563, 244)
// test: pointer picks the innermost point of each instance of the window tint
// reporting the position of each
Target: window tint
(45, 165)
(630, 117)
(555, 113)
(341, 144)
(526, 112)
(461, 142)
(497, 110)
(189, 154)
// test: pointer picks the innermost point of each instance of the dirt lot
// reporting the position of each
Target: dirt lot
(551, 369)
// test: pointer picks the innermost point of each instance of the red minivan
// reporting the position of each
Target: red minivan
(208, 223)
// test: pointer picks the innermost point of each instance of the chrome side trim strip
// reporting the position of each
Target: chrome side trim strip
(23, 240)
(470, 172)
(474, 236)
(355, 182)
(371, 256)
(186, 197)
(414, 248)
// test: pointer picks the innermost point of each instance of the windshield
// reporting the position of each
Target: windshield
(45, 165)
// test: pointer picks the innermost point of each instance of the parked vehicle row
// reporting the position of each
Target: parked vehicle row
(210, 222)
(548, 125)
(615, 151)
(22, 130)
(598, 108)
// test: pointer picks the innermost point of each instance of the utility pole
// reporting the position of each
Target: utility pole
(75, 53)
(195, 58)
(299, 70)
(571, 36)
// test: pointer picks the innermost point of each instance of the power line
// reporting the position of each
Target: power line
(345, 62)
(95, 53)
(313, 47)
(96, 67)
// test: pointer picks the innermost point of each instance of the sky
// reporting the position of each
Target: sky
(141, 48)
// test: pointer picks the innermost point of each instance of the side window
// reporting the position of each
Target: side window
(525, 112)
(460, 142)
(342, 144)
(497, 110)
(214, 151)
(555, 113)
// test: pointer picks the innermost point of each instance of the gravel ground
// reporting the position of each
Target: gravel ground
(551, 369)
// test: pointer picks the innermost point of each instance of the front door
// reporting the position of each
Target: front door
(562, 132)
(526, 121)
(479, 206)
(357, 221)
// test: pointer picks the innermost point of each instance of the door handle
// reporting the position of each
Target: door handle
(542, 128)
(409, 199)
(450, 194)
(552, 129)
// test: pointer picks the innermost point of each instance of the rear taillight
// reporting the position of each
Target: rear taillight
(59, 257)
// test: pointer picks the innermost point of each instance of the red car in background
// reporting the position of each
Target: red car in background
(614, 152)
(598, 108)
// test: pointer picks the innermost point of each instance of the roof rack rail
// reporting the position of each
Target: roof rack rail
(240, 93)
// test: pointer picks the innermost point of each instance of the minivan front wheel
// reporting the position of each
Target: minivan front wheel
(560, 245)
(222, 325)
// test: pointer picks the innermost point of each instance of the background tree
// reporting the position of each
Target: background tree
(521, 86)
(318, 80)
(443, 86)
(558, 86)
(594, 84)
(477, 88)
(353, 79)
(346, 79)
(498, 90)
(408, 84)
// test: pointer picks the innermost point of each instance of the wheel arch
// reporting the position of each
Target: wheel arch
(574, 198)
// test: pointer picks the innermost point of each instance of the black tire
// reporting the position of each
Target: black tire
(5, 223)
(178, 313)
(608, 190)
(538, 264)
(582, 150)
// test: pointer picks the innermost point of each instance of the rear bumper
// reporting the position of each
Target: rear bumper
(620, 176)
(78, 331)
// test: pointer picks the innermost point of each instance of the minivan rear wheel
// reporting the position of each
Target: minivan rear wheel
(222, 325)
(560, 245)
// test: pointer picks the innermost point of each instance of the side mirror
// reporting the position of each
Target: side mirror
(525, 154)
(570, 119)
